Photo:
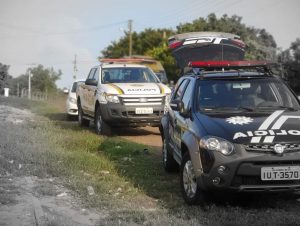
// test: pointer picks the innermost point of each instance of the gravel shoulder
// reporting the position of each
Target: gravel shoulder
(28, 196)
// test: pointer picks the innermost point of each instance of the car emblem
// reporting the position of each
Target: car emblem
(279, 148)
(240, 120)
(143, 100)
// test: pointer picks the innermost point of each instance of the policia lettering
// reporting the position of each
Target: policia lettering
(269, 134)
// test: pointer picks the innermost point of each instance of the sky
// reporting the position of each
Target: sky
(50, 33)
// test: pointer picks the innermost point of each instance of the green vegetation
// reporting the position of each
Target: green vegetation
(129, 181)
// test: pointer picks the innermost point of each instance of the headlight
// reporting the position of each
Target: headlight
(72, 100)
(167, 100)
(112, 98)
(217, 144)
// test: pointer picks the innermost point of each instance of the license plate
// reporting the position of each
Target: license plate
(140, 111)
(280, 173)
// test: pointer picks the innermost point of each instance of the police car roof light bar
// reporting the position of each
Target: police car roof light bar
(231, 64)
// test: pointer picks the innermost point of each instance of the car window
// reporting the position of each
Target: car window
(187, 96)
(74, 87)
(128, 75)
(262, 93)
(92, 73)
(179, 92)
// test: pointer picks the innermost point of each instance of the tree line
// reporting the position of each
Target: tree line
(260, 45)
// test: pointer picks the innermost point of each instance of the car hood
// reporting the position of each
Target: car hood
(136, 88)
(263, 128)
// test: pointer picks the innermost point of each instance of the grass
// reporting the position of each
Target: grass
(130, 183)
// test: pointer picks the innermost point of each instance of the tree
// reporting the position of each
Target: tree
(290, 61)
(3, 76)
(142, 42)
(42, 80)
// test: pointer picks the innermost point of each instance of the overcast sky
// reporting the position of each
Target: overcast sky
(52, 32)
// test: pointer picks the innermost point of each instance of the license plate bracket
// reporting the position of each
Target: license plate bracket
(143, 111)
(280, 173)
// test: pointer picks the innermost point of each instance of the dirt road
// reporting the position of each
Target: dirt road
(28, 196)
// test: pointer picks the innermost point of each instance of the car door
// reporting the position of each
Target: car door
(182, 119)
(174, 132)
(91, 91)
(85, 91)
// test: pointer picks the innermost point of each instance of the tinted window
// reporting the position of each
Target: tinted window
(179, 91)
(257, 94)
(187, 96)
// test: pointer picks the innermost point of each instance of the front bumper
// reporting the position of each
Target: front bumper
(121, 115)
(72, 108)
(243, 171)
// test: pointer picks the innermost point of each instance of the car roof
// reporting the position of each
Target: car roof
(230, 74)
(122, 65)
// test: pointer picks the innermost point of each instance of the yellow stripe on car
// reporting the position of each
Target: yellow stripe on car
(120, 91)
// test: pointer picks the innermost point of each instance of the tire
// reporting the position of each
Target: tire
(191, 191)
(169, 162)
(101, 127)
(82, 121)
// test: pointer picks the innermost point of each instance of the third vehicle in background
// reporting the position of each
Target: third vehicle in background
(71, 102)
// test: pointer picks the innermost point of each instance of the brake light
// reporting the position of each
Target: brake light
(228, 64)
(239, 43)
(175, 44)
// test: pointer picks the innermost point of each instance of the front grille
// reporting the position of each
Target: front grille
(255, 180)
(270, 148)
(142, 100)
(132, 113)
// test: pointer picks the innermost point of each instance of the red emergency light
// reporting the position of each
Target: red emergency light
(230, 64)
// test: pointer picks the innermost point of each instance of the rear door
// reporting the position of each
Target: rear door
(206, 46)
(85, 98)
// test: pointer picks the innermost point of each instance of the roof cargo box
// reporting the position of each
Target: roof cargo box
(206, 46)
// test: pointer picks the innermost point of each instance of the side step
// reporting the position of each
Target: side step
(88, 117)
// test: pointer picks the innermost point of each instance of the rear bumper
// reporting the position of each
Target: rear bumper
(121, 115)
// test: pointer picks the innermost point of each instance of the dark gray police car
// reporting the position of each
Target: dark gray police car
(232, 125)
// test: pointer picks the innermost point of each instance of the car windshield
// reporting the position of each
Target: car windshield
(128, 75)
(74, 87)
(255, 94)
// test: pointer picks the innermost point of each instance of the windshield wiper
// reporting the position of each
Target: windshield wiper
(287, 107)
(245, 108)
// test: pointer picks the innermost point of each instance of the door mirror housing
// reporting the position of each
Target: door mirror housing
(91, 82)
(178, 105)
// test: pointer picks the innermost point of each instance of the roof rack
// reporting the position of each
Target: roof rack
(234, 65)
(125, 60)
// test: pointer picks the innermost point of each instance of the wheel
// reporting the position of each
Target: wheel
(191, 191)
(101, 127)
(169, 162)
(82, 121)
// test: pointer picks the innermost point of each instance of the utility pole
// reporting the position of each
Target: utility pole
(29, 83)
(75, 67)
(130, 37)
(18, 89)
(29, 80)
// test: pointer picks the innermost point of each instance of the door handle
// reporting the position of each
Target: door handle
(175, 121)
(95, 93)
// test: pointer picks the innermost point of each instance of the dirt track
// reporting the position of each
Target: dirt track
(27, 195)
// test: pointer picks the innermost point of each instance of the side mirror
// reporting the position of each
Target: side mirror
(176, 105)
(91, 82)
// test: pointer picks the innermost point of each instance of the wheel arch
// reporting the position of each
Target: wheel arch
(190, 144)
